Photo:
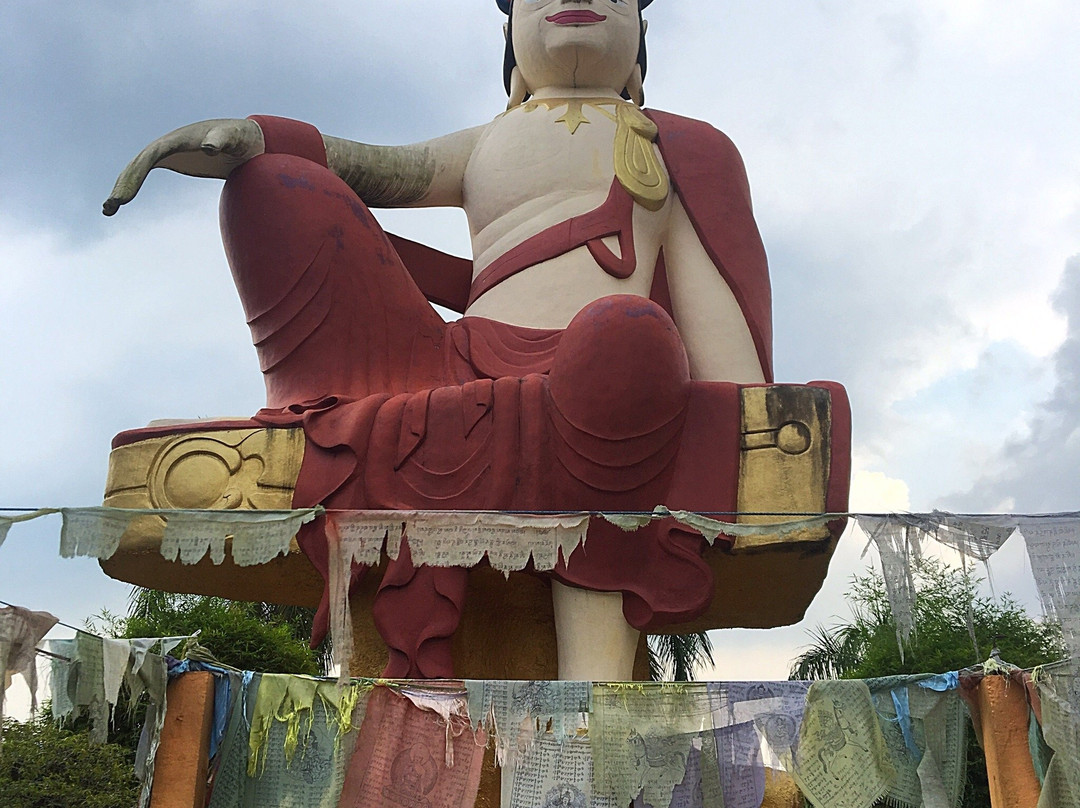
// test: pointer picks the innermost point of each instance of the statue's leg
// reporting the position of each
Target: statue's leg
(620, 373)
(334, 314)
(332, 309)
(595, 642)
(619, 387)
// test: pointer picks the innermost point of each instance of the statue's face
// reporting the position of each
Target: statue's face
(576, 43)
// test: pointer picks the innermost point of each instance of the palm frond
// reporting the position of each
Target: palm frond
(678, 655)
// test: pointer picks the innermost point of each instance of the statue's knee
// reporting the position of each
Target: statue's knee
(281, 216)
(621, 366)
(274, 189)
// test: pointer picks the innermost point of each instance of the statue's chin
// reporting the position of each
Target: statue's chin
(572, 43)
(576, 61)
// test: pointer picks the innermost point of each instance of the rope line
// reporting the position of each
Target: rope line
(802, 514)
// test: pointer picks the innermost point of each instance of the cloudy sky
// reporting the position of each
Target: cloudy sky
(915, 175)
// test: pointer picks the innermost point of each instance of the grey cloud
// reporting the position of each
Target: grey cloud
(87, 84)
(902, 31)
(1040, 471)
(888, 184)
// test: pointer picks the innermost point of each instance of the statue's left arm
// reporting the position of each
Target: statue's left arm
(711, 322)
(717, 271)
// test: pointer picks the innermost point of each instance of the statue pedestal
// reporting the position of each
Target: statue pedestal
(794, 459)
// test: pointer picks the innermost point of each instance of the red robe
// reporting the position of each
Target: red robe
(404, 411)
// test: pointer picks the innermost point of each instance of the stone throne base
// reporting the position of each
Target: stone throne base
(794, 459)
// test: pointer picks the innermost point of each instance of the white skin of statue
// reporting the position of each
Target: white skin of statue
(515, 177)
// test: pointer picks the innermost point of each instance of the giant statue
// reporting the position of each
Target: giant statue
(617, 320)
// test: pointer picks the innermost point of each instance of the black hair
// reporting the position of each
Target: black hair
(510, 60)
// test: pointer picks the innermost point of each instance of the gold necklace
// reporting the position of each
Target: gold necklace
(636, 165)
(574, 116)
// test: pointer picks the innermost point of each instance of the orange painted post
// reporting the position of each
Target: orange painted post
(1004, 710)
(183, 757)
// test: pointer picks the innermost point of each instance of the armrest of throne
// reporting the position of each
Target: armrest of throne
(216, 465)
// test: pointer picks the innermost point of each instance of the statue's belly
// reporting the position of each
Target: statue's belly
(561, 275)
(549, 294)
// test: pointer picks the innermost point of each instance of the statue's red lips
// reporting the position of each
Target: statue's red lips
(578, 17)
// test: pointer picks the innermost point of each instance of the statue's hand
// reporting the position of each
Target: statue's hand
(204, 149)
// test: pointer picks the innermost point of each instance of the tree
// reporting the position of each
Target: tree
(865, 646)
(249, 636)
(46, 766)
(678, 654)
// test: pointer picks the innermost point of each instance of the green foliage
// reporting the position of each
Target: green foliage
(248, 636)
(123, 731)
(44, 766)
(679, 655)
(866, 645)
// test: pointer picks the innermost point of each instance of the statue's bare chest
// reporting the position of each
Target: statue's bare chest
(534, 158)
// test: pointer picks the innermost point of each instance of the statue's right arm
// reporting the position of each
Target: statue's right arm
(428, 174)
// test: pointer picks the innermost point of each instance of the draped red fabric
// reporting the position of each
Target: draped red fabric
(404, 411)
